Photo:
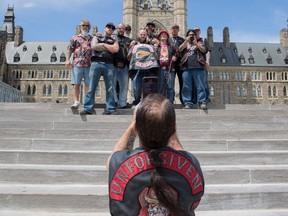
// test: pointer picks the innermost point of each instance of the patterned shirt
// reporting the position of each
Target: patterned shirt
(81, 49)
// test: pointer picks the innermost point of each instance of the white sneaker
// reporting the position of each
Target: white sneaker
(75, 105)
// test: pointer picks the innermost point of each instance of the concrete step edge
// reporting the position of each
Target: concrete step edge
(102, 190)
(243, 212)
(103, 167)
(109, 152)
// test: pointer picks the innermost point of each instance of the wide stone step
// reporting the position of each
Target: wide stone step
(274, 212)
(57, 174)
(100, 157)
(207, 126)
(113, 133)
(108, 144)
(91, 198)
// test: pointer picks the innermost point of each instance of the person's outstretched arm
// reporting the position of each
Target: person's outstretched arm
(127, 139)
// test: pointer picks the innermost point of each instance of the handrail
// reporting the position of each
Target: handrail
(9, 94)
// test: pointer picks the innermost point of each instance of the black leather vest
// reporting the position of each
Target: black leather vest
(130, 174)
(104, 56)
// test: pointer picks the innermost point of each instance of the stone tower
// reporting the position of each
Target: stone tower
(9, 24)
(284, 37)
(18, 39)
(163, 13)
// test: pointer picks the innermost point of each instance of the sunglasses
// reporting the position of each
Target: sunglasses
(85, 25)
(111, 27)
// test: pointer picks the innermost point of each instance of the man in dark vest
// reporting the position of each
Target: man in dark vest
(158, 177)
(102, 59)
(175, 40)
(143, 62)
(121, 63)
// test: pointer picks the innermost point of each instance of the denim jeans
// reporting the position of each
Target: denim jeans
(137, 84)
(167, 88)
(79, 73)
(194, 78)
(96, 70)
(122, 77)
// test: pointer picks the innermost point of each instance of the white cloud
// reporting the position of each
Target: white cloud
(28, 5)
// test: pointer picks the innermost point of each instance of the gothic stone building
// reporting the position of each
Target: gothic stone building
(254, 73)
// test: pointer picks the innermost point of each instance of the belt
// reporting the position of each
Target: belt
(164, 68)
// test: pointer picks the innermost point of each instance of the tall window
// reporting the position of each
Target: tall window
(60, 90)
(285, 92)
(212, 91)
(238, 91)
(254, 94)
(274, 91)
(65, 90)
(259, 91)
(49, 90)
(34, 90)
(44, 90)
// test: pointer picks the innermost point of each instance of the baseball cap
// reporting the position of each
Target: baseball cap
(110, 24)
(150, 23)
(175, 26)
(196, 29)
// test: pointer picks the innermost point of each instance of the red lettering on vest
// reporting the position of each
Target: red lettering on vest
(142, 162)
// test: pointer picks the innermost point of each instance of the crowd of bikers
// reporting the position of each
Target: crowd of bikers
(117, 57)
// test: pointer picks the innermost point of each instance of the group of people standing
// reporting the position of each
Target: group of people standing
(114, 56)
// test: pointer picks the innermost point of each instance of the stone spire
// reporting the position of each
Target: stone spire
(9, 23)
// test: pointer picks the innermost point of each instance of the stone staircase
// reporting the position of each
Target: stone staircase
(52, 160)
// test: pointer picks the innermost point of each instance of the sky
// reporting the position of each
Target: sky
(55, 20)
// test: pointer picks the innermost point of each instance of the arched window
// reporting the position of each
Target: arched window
(49, 90)
(53, 58)
(251, 59)
(259, 91)
(34, 90)
(274, 91)
(35, 57)
(39, 48)
(242, 59)
(54, 48)
(238, 91)
(254, 91)
(269, 92)
(60, 91)
(62, 57)
(65, 90)
(212, 91)
(44, 91)
(28, 90)
(98, 91)
(16, 57)
(244, 91)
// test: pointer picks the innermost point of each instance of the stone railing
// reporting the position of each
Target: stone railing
(9, 94)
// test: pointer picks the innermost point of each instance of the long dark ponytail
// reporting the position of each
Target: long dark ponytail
(163, 191)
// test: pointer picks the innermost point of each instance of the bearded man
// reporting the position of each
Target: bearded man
(80, 46)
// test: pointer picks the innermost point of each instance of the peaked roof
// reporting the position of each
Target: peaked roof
(44, 54)
(259, 51)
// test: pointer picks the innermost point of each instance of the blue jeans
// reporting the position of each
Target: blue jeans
(194, 77)
(167, 87)
(122, 77)
(137, 84)
(98, 69)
